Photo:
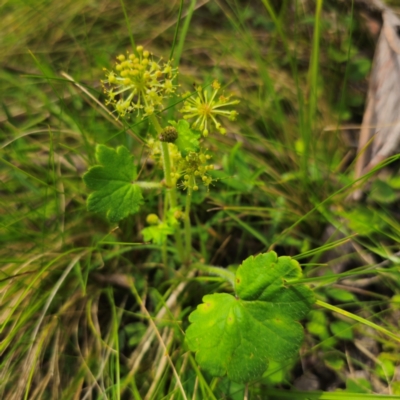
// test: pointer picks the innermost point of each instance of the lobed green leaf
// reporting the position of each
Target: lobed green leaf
(239, 335)
(115, 193)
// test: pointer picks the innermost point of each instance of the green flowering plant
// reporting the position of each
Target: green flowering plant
(142, 86)
(225, 329)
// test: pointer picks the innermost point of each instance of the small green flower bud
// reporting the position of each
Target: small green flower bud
(178, 214)
(168, 85)
(233, 115)
(149, 110)
(152, 219)
(169, 134)
(167, 70)
(216, 85)
(112, 78)
(195, 188)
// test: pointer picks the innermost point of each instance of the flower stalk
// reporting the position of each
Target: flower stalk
(170, 185)
(187, 224)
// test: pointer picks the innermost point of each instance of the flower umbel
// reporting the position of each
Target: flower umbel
(139, 83)
(207, 108)
(194, 167)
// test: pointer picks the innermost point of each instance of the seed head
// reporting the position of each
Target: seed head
(169, 134)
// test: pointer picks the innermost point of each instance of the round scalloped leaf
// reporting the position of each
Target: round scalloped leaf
(238, 336)
(115, 193)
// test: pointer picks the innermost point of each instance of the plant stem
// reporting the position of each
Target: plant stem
(188, 228)
(218, 271)
(166, 165)
(164, 255)
(171, 188)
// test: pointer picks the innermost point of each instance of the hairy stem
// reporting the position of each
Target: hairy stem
(171, 188)
(221, 272)
(188, 228)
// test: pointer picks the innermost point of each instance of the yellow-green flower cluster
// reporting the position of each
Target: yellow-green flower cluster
(138, 83)
(207, 108)
(194, 167)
